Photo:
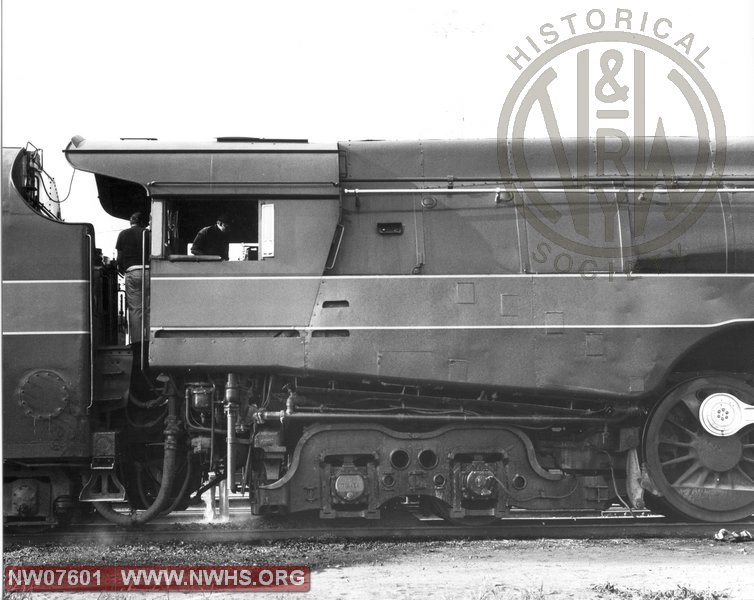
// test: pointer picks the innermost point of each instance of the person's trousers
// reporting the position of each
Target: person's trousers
(137, 302)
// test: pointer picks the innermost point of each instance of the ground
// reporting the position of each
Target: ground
(699, 569)
(549, 569)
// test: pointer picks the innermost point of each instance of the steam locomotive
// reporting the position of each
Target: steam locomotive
(425, 320)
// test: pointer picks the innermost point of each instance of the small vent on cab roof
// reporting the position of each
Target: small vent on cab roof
(237, 139)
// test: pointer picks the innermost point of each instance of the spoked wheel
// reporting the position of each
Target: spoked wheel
(698, 458)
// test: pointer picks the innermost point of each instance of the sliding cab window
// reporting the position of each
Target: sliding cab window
(251, 232)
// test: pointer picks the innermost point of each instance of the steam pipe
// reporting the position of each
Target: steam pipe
(370, 394)
(232, 400)
(297, 417)
(169, 468)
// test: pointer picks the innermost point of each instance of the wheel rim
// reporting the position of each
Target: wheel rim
(701, 476)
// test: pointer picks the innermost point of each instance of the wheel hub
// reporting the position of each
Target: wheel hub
(723, 414)
(719, 454)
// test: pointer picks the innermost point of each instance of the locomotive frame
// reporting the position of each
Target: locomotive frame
(399, 327)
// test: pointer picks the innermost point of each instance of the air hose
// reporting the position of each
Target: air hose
(169, 470)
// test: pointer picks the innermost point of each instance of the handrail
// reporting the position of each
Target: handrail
(143, 294)
(235, 183)
(341, 229)
(90, 245)
(542, 190)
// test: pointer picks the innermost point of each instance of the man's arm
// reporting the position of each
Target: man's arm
(119, 256)
(198, 245)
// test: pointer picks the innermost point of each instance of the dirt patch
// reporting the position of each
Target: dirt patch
(548, 569)
(474, 570)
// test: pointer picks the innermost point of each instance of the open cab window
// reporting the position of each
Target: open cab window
(181, 220)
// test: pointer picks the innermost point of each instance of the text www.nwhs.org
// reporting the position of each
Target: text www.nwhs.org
(145, 578)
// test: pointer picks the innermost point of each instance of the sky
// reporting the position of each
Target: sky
(326, 71)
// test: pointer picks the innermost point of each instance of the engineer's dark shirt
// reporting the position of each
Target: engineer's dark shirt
(211, 240)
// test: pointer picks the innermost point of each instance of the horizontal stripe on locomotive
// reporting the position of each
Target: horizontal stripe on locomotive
(31, 306)
(46, 332)
(592, 327)
(586, 275)
(48, 281)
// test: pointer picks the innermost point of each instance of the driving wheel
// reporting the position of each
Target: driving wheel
(699, 449)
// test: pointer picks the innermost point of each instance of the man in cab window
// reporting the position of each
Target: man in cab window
(213, 240)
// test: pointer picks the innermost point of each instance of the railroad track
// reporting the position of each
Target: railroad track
(241, 528)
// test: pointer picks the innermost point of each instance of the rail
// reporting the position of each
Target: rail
(401, 526)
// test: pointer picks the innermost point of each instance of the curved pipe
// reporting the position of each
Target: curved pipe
(163, 499)
(149, 403)
(184, 488)
(176, 497)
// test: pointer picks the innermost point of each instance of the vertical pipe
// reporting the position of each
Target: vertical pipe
(144, 306)
(227, 485)
(232, 397)
(212, 429)
(224, 504)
